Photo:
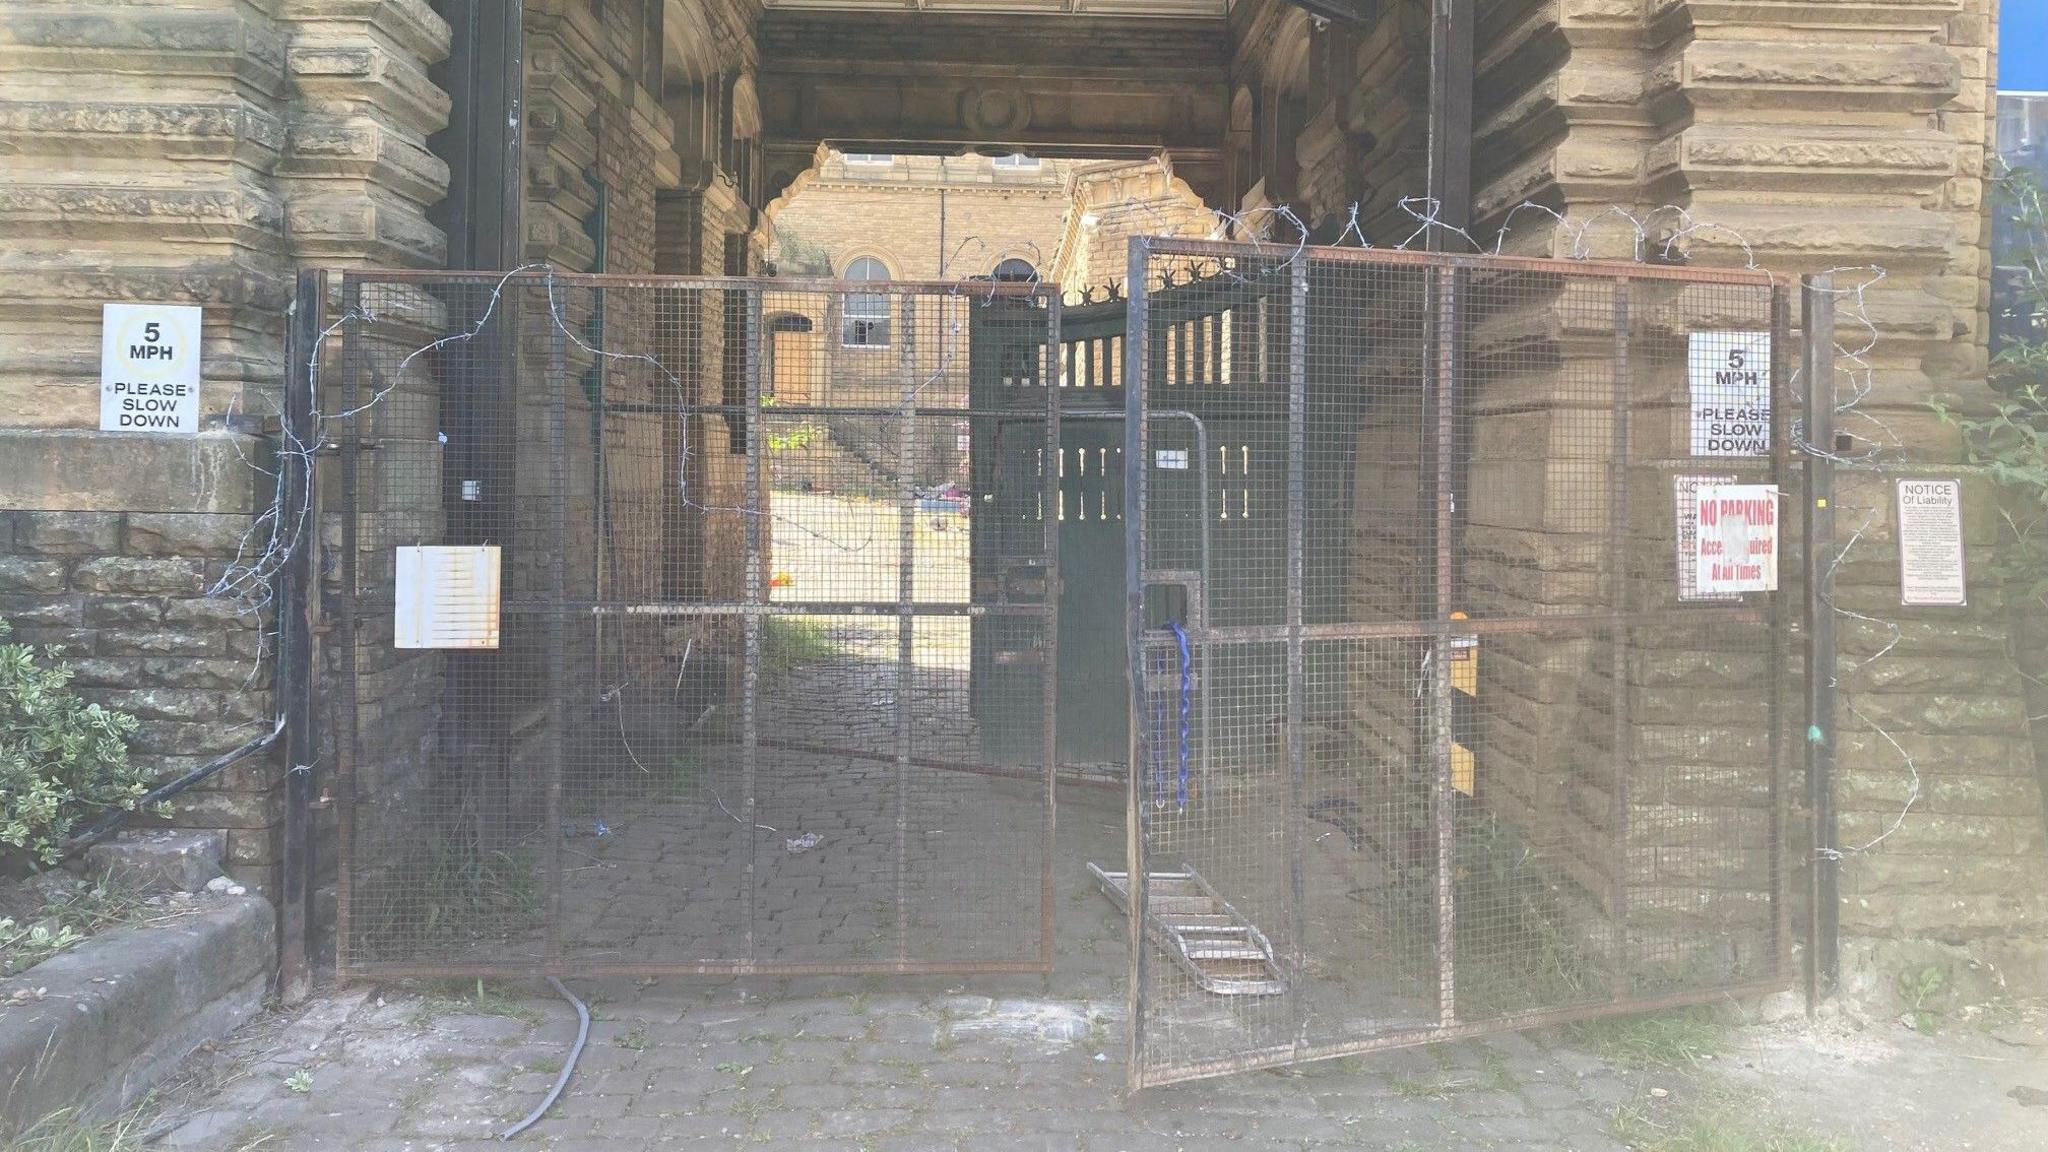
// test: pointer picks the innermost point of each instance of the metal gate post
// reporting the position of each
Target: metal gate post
(345, 741)
(298, 525)
(753, 623)
(1817, 309)
(906, 640)
(1049, 486)
(1137, 355)
(1618, 611)
(557, 384)
(1297, 678)
(1444, 371)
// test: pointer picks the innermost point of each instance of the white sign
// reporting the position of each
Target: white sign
(1931, 543)
(1736, 542)
(1686, 496)
(1172, 459)
(446, 598)
(149, 368)
(1730, 378)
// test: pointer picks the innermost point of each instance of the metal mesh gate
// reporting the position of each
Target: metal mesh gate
(1427, 738)
(693, 625)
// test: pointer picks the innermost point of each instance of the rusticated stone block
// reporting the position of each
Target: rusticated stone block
(114, 612)
(68, 533)
(137, 575)
(180, 861)
(128, 642)
(26, 574)
(185, 534)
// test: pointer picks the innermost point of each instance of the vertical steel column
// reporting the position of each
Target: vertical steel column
(298, 610)
(345, 741)
(906, 637)
(1050, 626)
(1137, 355)
(1297, 677)
(1618, 608)
(1450, 117)
(557, 383)
(753, 622)
(1818, 322)
(1444, 372)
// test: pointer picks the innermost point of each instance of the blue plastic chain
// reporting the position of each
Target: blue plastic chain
(1187, 706)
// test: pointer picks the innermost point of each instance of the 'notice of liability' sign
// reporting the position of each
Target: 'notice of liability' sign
(1736, 539)
(1931, 543)
(1729, 374)
(149, 368)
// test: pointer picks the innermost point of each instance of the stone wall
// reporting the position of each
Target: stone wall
(1801, 138)
(1813, 137)
(189, 154)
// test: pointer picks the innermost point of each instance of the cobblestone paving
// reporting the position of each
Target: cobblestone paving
(832, 1067)
(989, 1063)
(855, 1071)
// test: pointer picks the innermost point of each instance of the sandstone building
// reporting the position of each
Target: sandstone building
(204, 151)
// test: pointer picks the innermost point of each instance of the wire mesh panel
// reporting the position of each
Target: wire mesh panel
(1433, 730)
(694, 625)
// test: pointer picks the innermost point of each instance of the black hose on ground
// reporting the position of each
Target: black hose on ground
(568, 1066)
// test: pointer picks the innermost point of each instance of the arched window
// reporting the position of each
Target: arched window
(864, 322)
(1015, 270)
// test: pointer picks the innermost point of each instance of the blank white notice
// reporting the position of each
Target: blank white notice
(446, 598)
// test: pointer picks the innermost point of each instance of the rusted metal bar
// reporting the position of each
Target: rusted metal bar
(754, 625)
(1572, 624)
(347, 740)
(1621, 737)
(1137, 357)
(906, 649)
(1402, 258)
(555, 640)
(1444, 382)
(1296, 689)
(1255, 1059)
(1050, 634)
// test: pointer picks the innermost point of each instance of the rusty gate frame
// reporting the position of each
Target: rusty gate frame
(1442, 270)
(346, 449)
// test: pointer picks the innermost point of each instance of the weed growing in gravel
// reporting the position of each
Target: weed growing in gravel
(68, 1132)
(1677, 1039)
(1714, 1131)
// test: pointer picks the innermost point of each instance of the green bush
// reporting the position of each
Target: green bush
(2008, 437)
(60, 757)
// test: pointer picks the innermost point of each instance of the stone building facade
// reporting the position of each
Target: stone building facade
(203, 151)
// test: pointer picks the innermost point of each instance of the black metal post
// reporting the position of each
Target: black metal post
(484, 77)
(1450, 119)
(298, 526)
(1817, 312)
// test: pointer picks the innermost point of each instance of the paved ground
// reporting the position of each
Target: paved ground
(982, 1063)
(829, 1067)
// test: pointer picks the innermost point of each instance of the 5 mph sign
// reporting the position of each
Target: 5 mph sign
(149, 368)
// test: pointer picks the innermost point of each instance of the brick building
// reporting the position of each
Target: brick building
(202, 152)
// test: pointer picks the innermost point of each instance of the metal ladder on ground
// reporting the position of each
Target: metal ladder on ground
(1210, 940)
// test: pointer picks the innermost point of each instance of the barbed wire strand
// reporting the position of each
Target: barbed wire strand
(1664, 234)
